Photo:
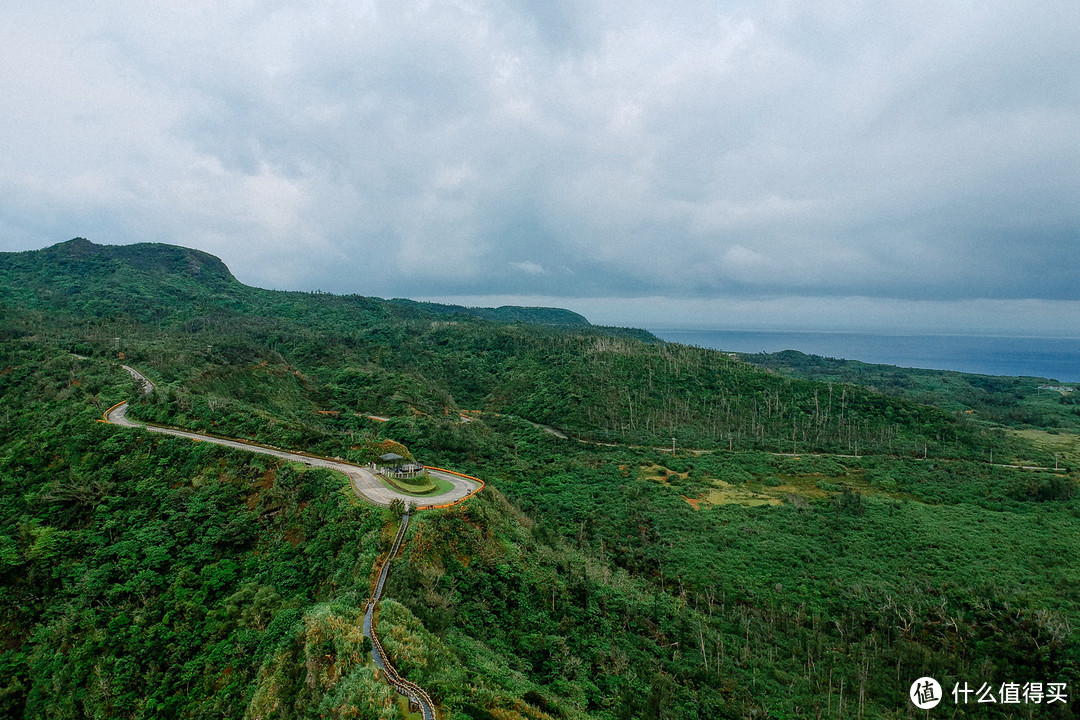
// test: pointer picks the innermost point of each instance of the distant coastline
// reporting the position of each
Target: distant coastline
(1050, 358)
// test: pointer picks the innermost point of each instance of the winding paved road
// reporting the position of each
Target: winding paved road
(364, 483)
(363, 480)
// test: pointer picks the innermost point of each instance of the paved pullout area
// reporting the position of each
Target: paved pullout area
(363, 480)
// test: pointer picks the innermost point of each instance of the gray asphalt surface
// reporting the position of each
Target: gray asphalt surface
(363, 480)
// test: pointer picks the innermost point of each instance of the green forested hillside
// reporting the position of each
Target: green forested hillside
(184, 314)
(1009, 401)
(596, 577)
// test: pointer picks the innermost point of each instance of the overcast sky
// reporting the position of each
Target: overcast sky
(834, 165)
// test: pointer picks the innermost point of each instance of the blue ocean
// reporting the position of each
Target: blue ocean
(1054, 358)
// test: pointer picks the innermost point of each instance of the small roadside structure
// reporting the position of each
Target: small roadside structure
(394, 466)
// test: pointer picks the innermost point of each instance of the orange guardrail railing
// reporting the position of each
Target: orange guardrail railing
(406, 687)
(456, 502)
(105, 414)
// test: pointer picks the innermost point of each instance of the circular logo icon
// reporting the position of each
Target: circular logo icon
(925, 693)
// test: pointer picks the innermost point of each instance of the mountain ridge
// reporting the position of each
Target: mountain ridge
(600, 576)
(86, 266)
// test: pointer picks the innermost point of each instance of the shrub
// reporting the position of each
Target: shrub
(882, 480)
(735, 476)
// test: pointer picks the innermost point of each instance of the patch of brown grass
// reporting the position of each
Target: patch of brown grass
(660, 474)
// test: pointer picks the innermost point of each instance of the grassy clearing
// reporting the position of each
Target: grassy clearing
(1065, 444)
(727, 494)
(422, 484)
(661, 474)
(774, 490)
(438, 487)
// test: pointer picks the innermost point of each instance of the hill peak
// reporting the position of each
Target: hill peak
(155, 279)
(145, 257)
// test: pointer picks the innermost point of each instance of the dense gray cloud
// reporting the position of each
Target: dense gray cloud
(757, 152)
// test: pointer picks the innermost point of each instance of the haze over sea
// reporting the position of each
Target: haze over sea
(1054, 358)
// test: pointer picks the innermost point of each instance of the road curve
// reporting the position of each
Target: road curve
(145, 386)
(363, 480)
(365, 484)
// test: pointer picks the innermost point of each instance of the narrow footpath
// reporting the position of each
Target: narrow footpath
(407, 688)
(366, 485)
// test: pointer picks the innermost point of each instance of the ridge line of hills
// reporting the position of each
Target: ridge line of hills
(596, 382)
(194, 270)
(145, 576)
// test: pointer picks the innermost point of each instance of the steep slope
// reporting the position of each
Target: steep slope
(139, 281)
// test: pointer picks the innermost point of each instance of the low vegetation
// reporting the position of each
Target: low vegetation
(1015, 402)
(816, 545)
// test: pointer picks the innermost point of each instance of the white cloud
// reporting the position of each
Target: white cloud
(739, 261)
(529, 268)
(905, 150)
